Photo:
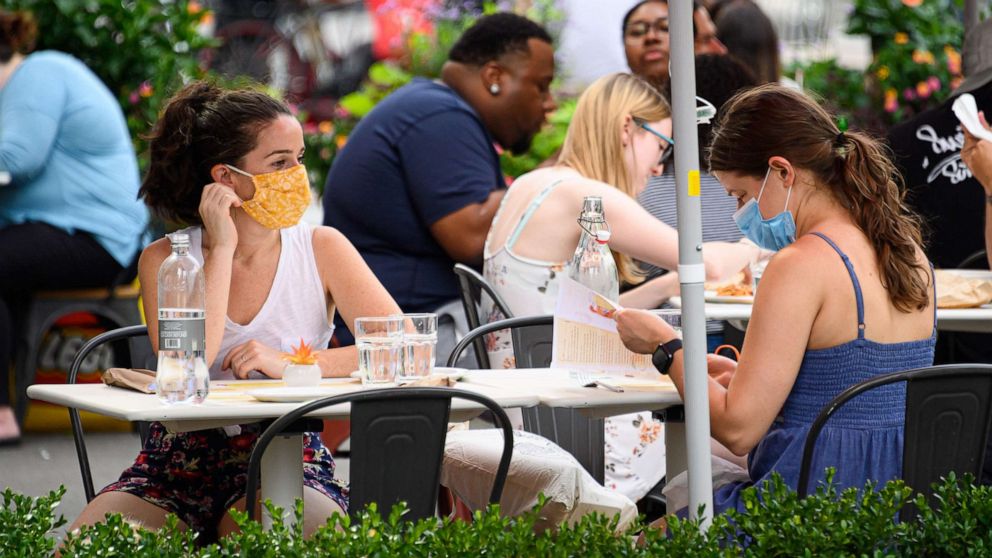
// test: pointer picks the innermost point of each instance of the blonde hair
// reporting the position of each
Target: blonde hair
(593, 145)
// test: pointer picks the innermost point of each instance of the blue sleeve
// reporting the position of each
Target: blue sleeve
(33, 102)
(449, 164)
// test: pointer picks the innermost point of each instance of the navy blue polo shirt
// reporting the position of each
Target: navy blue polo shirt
(420, 155)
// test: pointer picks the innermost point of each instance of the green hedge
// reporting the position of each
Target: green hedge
(776, 523)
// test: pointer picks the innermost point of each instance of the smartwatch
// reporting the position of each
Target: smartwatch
(665, 354)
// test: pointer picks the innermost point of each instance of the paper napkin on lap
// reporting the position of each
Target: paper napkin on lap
(955, 291)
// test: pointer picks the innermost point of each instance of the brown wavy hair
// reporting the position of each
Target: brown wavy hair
(18, 32)
(856, 169)
(201, 126)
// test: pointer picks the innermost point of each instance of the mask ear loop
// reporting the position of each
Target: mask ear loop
(763, 182)
(239, 171)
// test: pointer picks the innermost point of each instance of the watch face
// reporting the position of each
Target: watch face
(661, 359)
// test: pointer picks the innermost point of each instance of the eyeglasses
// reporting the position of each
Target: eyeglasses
(704, 115)
(666, 152)
(638, 29)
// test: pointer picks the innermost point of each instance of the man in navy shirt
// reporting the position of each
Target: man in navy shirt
(418, 183)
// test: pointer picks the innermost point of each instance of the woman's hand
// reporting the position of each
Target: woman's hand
(641, 331)
(253, 355)
(977, 154)
(721, 368)
(215, 210)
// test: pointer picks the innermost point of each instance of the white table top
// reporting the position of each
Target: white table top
(229, 403)
(977, 320)
(556, 388)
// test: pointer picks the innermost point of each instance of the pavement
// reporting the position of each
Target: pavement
(41, 462)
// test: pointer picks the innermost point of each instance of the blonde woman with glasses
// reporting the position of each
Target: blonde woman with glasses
(619, 132)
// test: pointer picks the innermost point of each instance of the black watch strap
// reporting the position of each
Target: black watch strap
(664, 355)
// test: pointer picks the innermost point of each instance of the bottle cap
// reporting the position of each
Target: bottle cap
(603, 237)
(179, 238)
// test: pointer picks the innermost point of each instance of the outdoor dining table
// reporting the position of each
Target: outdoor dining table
(231, 403)
(976, 320)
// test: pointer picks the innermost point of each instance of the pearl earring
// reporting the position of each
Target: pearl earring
(494, 89)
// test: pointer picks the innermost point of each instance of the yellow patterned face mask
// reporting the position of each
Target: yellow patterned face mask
(280, 198)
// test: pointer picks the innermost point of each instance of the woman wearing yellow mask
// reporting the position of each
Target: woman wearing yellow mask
(227, 163)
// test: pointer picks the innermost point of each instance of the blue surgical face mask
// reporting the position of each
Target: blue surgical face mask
(771, 234)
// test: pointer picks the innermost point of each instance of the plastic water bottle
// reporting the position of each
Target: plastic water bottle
(182, 375)
(593, 264)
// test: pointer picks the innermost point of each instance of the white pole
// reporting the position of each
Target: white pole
(692, 275)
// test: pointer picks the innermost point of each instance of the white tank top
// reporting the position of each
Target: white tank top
(295, 308)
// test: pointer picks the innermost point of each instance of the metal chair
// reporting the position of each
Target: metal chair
(532, 339)
(397, 445)
(141, 355)
(948, 414)
(473, 286)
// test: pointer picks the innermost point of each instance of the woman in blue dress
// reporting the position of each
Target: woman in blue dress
(848, 296)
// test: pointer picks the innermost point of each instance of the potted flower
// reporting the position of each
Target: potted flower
(302, 369)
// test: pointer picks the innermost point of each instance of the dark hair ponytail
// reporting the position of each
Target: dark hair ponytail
(201, 126)
(771, 120)
(877, 203)
(18, 32)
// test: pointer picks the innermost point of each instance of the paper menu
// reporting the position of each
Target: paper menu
(966, 110)
(586, 338)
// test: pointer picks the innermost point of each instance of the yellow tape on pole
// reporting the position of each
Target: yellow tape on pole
(694, 183)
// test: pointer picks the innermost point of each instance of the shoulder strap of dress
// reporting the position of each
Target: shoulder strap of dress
(529, 212)
(933, 277)
(854, 280)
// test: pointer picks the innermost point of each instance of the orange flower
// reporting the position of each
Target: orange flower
(953, 60)
(325, 127)
(194, 7)
(901, 38)
(341, 140)
(891, 100)
(303, 354)
(912, 3)
(882, 73)
(923, 56)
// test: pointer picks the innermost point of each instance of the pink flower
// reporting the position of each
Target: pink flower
(891, 100)
(145, 89)
(909, 94)
(134, 98)
(933, 82)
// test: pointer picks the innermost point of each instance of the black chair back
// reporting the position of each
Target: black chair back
(473, 286)
(397, 446)
(948, 415)
(141, 356)
(533, 338)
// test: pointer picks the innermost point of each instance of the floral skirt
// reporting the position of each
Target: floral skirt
(199, 475)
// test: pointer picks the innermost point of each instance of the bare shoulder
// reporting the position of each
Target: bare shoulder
(155, 253)
(328, 240)
(802, 262)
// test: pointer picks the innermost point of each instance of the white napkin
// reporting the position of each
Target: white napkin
(966, 110)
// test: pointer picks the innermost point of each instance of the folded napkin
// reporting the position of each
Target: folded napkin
(956, 291)
(434, 380)
(137, 379)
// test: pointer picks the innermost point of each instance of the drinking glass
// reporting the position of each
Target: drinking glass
(380, 348)
(672, 317)
(419, 341)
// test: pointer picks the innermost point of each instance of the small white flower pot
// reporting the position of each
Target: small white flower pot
(301, 375)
